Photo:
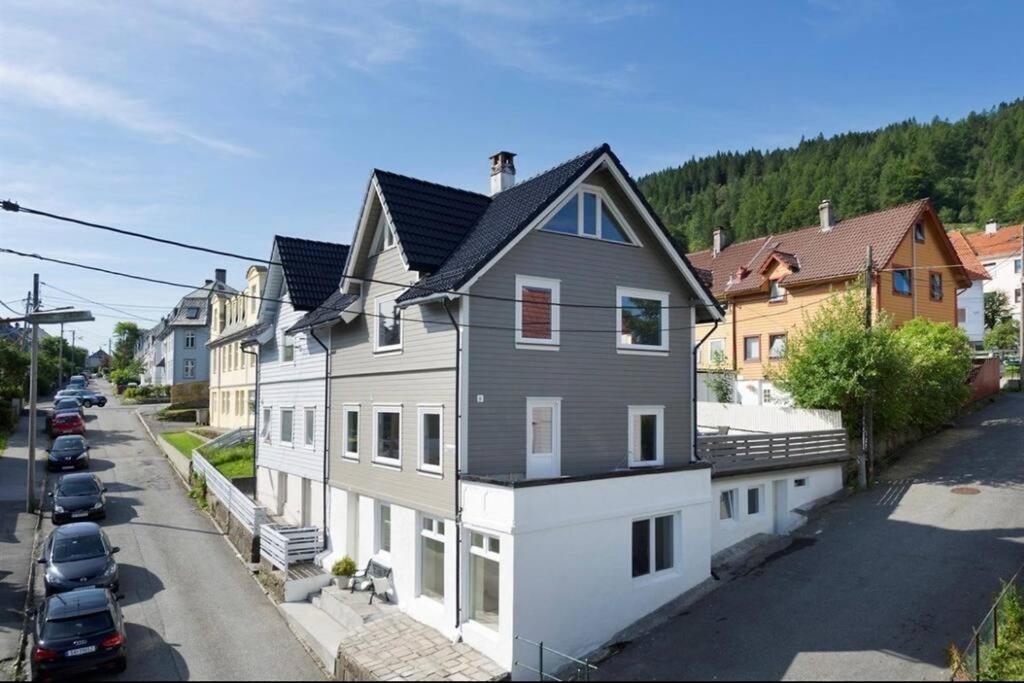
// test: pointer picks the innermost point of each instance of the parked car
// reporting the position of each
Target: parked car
(79, 555)
(76, 382)
(78, 497)
(88, 397)
(70, 451)
(66, 404)
(67, 423)
(79, 632)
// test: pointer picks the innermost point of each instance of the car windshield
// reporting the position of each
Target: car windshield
(68, 445)
(78, 487)
(84, 625)
(74, 548)
(67, 417)
(67, 403)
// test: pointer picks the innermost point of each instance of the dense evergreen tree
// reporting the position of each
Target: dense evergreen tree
(972, 169)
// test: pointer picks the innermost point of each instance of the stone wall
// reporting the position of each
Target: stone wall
(247, 545)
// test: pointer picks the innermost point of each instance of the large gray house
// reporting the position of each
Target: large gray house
(511, 408)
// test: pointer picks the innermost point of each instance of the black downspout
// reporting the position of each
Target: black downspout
(327, 426)
(458, 466)
(255, 421)
(696, 348)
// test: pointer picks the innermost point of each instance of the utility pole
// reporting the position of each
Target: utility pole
(60, 360)
(24, 326)
(1020, 340)
(74, 334)
(33, 398)
(866, 461)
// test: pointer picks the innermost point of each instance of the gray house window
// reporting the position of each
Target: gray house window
(190, 339)
(190, 368)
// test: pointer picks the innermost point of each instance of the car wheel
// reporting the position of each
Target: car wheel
(88, 404)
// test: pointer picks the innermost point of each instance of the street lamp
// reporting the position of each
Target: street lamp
(37, 318)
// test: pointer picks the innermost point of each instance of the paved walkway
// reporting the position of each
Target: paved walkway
(876, 587)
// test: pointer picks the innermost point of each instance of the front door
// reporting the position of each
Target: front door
(780, 502)
(543, 438)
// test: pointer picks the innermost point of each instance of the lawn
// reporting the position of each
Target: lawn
(183, 442)
(232, 462)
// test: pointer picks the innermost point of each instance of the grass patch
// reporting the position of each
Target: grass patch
(232, 462)
(183, 442)
(1006, 662)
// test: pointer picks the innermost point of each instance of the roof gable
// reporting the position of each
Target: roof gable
(312, 269)
(1002, 243)
(975, 269)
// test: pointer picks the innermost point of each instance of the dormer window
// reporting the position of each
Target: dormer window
(192, 313)
(776, 292)
(590, 213)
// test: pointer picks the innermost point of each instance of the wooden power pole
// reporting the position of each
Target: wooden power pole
(866, 462)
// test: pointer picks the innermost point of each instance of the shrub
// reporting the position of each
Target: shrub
(1005, 336)
(132, 392)
(938, 366)
(168, 415)
(346, 566)
(198, 490)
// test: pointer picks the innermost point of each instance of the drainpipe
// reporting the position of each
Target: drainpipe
(696, 349)
(255, 419)
(458, 468)
(327, 427)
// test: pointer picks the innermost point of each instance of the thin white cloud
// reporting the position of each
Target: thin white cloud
(78, 97)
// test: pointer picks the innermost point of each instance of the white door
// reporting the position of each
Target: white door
(780, 501)
(307, 501)
(543, 438)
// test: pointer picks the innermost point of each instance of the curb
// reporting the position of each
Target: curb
(30, 594)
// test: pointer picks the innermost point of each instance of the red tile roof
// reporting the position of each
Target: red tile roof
(975, 270)
(1003, 242)
(820, 255)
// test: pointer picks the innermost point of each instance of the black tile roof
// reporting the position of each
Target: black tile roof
(312, 269)
(431, 220)
(326, 312)
(506, 215)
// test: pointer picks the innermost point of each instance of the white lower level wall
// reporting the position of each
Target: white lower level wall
(779, 496)
(295, 499)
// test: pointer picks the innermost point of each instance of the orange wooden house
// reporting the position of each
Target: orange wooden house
(769, 284)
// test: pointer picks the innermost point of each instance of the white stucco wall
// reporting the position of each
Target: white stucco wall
(1003, 279)
(972, 300)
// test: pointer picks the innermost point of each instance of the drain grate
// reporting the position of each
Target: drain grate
(965, 491)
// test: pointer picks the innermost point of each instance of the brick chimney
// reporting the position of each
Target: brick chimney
(825, 215)
(503, 172)
(220, 275)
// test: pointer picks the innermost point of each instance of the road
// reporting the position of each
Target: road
(192, 609)
(876, 587)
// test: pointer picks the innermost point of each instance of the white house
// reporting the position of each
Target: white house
(999, 250)
(971, 301)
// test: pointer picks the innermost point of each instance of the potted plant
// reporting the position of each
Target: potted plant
(343, 571)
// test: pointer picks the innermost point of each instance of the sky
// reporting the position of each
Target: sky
(225, 122)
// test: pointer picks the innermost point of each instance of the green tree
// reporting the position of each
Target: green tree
(14, 366)
(1004, 336)
(127, 335)
(721, 381)
(997, 308)
(938, 358)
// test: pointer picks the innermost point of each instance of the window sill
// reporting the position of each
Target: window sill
(433, 474)
(655, 577)
(906, 294)
(536, 346)
(630, 351)
(645, 464)
(394, 465)
(388, 351)
(350, 457)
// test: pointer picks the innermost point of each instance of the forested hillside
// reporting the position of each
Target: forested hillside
(973, 170)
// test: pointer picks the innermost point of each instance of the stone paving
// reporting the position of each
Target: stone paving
(399, 648)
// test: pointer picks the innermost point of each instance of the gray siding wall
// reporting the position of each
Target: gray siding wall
(422, 373)
(595, 382)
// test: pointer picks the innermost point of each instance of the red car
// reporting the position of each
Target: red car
(67, 423)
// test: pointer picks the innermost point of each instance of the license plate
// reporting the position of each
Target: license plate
(80, 651)
(67, 467)
(79, 514)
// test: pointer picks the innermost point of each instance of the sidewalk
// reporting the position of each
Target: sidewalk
(17, 534)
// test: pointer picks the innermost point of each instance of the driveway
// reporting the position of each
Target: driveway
(875, 587)
(192, 608)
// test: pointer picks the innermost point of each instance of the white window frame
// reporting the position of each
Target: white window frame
(190, 339)
(761, 490)
(435, 535)
(602, 199)
(285, 338)
(346, 409)
(188, 368)
(735, 495)
(539, 283)
(280, 433)
(636, 293)
(487, 553)
(391, 348)
(712, 343)
(377, 410)
(378, 546)
(637, 411)
(652, 521)
(267, 418)
(308, 434)
(780, 291)
(421, 411)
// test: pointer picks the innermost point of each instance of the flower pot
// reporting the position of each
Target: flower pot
(343, 582)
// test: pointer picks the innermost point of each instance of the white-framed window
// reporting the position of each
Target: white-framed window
(646, 436)
(642, 319)
(716, 351)
(543, 437)
(213, 401)
(755, 500)
(800, 483)
(431, 442)
(309, 427)
(288, 348)
(776, 291)
(387, 434)
(287, 423)
(776, 346)
(727, 505)
(383, 528)
(537, 310)
(589, 212)
(388, 335)
(350, 425)
(653, 545)
(484, 579)
(265, 432)
(384, 238)
(190, 368)
(190, 339)
(432, 547)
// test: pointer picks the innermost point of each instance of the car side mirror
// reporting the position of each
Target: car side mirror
(115, 550)
(119, 597)
(41, 560)
(103, 490)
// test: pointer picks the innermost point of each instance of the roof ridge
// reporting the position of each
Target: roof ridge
(431, 182)
(309, 241)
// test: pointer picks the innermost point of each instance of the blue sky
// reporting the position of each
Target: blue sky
(225, 122)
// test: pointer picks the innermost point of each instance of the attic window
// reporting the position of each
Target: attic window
(385, 237)
(919, 232)
(590, 213)
(191, 312)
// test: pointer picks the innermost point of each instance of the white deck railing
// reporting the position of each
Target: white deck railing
(283, 546)
(251, 515)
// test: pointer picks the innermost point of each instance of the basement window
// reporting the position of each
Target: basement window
(653, 545)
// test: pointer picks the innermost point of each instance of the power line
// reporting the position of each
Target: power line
(97, 303)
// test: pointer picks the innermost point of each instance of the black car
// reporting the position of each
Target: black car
(88, 397)
(79, 555)
(68, 452)
(78, 497)
(78, 632)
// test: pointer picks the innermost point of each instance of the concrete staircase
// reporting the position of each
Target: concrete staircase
(351, 610)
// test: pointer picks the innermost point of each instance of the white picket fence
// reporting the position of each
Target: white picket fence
(252, 516)
(283, 545)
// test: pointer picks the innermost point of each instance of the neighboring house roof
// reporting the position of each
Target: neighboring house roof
(312, 269)
(190, 312)
(1003, 242)
(327, 312)
(817, 255)
(975, 270)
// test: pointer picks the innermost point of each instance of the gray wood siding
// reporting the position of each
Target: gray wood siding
(422, 373)
(595, 382)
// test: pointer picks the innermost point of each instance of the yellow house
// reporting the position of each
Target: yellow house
(769, 284)
(233, 372)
